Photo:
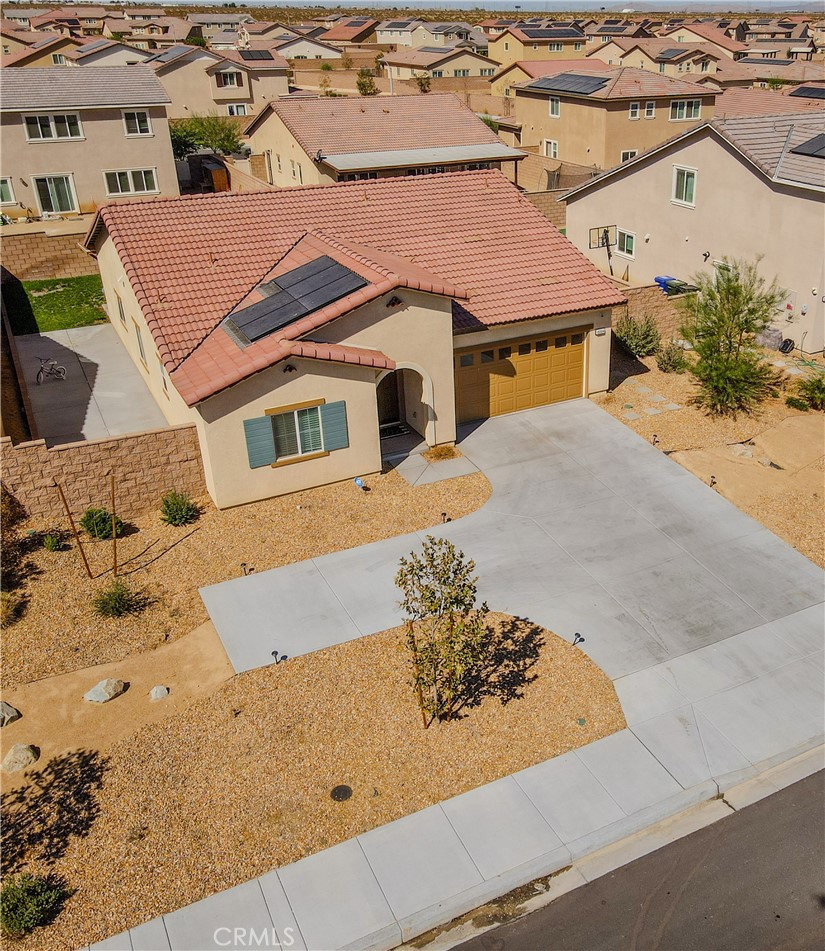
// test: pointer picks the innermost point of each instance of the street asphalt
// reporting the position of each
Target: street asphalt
(752, 881)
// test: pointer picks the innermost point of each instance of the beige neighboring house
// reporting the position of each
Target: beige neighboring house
(749, 187)
(662, 56)
(15, 38)
(707, 33)
(603, 118)
(211, 23)
(76, 138)
(232, 82)
(517, 74)
(295, 328)
(52, 50)
(104, 52)
(398, 32)
(442, 34)
(304, 47)
(156, 34)
(517, 44)
(320, 140)
(437, 62)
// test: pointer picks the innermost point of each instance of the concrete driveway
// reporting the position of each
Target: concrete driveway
(103, 394)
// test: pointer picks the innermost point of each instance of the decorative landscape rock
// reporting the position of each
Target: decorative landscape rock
(159, 693)
(743, 451)
(8, 713)
(105, 691)
(19, 757)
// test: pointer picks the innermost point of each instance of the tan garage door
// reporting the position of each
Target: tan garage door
(519, 374)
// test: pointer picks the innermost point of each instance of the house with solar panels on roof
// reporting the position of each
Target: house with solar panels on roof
(230, 82)
(302, 329)
(318, 140)
(527, 43)
(748, 187)
(74, 138)
(603, 118)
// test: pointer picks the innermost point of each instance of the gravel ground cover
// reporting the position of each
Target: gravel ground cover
(240, 782)
(59, 630)
(787, 501)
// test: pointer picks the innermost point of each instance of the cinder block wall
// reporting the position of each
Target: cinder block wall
(547, 204)
(146, 465)
(38, 256)
(649, 299)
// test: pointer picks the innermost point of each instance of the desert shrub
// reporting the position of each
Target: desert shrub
(98, 523)
(52, 541)
(812, 390)
(29, 901)
(733, 306)
(489, 121)
(176, 508)
(326, 67)
(796, 403)
(365, 83)
(671, 359)
(440, 453)
(423, 81)
(118, 600)
(11, 606)
(639, 337)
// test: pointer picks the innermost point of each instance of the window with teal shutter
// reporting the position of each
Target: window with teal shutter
(260, 441)
(334, 425)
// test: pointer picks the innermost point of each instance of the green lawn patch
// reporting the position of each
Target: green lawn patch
(56, 304)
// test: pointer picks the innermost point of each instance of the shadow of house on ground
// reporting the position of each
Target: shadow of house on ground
(59, 803)
(18, 306)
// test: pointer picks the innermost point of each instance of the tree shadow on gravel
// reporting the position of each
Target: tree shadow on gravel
(58, 803)
(515, 648)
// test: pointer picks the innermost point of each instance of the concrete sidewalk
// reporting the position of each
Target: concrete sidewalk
(710, 626)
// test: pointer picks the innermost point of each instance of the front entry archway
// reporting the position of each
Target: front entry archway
(404, 398)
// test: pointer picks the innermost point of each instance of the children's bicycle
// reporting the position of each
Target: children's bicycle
(49, 367)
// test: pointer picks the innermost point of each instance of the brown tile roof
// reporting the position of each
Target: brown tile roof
(712, 33)
(551, 67)
(627, 82)
(234, 56)
(56, 87)
(425, 58)
(43, 45)
(350, 29)
(378, 123)
(191, 259)
(761, 102)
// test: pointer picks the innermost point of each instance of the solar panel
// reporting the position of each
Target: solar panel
(669, 53)
(433, 49)
(809, 92)
(295, 294)
(814, 147)
(570, 82)
(765, 61)
(88, 47)
(397, 24)
(255, 54)
(551, 34)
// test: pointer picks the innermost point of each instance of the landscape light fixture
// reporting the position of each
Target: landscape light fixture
(577, 639)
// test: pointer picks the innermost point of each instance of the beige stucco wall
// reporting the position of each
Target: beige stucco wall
(596, 132)
(105, 147)
(308, 50)
(470, 61)
(738, 213)
(686, 35)
(598, 346)
(287, 161)
(507, 49)
(45, 58)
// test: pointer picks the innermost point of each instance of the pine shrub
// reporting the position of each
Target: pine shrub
(639, 337)
(98, 523)
(176, 508)
(28, 902)
(118, 600)
(812, 390)
(671, 359)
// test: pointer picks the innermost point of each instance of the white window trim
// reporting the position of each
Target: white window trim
(678, 201)
(129, 171)
(685, 117)
(137, 135)
(302, 452)
(11, 200)
(229, 72)
(235, 105)
(557, 101)
(70, 176)
(50, 116)
(554, 146)
(624, 254)
(638, 108)
(652, 113)
(624, 152)
(58, 59)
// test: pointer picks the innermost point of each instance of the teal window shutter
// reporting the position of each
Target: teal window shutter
(260, 441)
(334, 425)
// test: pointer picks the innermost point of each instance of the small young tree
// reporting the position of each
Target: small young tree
(724, 317)
(423, 81)
(775, 83)
(446, 632)
(346, 61)
(184, 142)
(325, 85)
(365, 83)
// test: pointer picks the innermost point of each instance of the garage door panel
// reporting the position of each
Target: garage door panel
(507, 378)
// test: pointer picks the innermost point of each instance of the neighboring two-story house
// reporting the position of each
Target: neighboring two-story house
(601, 119)
(707, 33)
(437, 62)
(529, 43)
(316, 141)
(750, 188)
(662, 56)
(76, 138)
(232, 82)
(507, 79)
(398, 32)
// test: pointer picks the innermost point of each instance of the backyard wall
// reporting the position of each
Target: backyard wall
(146, 465)
(549, 206)
(34, 253)
(649, 299)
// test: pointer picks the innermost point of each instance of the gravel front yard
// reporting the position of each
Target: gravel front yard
(787, 500)
(59, 630)
(239, 782)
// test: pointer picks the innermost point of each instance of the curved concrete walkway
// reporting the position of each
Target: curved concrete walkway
(710, 626)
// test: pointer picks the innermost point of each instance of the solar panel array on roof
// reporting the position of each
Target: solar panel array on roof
(89, 47)
(765, 61)
(361, 22)
(669, 53)
(814, 147)
(293, 295)
(551, 34)
(255, 54)
(397, 24)
(433, 49)
(809, 92)
(570, 82)
(171, 53)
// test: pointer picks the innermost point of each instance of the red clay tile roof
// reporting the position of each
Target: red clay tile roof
(761, 102)
(551, 67)
(378, 123)
(712, 33)
(350, 29)
(191, 259)
(627, 82)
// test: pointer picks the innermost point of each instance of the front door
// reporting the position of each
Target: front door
(389, 410)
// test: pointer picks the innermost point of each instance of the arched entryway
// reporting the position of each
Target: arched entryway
(404, 398)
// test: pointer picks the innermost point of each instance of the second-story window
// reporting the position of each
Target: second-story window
(137, 123)
(685, 109)
(62, 126)
(229, 78)
(633, 112)
(555, 107)
(58, 59)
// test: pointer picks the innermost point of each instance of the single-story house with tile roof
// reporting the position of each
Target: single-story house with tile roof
(437, 62)
(351, 30)
(294, 327)
(314, 141)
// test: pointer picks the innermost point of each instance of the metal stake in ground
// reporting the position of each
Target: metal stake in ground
(114, 528)
(74, 528)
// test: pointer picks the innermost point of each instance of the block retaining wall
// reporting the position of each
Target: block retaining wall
(38, 256)
(553, 210)
(649, 299)
(146, 465)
